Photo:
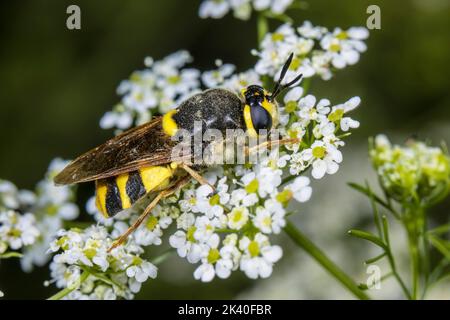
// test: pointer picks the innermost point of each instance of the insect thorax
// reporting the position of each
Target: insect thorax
(215, 109)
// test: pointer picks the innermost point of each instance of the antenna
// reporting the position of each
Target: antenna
(280, 87)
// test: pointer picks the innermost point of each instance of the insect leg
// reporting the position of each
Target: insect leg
(269, 144)
(194, 174)
(163, 194)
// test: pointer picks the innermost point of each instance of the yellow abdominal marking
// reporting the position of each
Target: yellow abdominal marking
(248, 122)
(121, 182)
(156, 178)
(169, 125)
(100, 199)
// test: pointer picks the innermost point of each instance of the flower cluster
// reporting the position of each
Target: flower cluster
(221, 232)
(16, 230)
(242, 9)
(83, 264)
(159, 87)
(413, 171)
(164, 84)
(230, 230)
(317, 51)
(29, 220)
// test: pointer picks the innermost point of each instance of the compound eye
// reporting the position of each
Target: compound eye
(261, 119)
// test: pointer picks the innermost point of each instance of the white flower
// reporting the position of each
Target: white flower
(213, 9)
(17, 230)
(241, 80)
(142, 270)
(204, 228)
(258, 256)
(301, 191)
(238, 217)
(321, 62)
(9, 195)
(217, 77)
(242, 197)
(179, 82)
(185, 220)
(150, 232)
(206, 204)
(338, 49)
(276, 6)
(293, 94)
(120, 120)
(263, 180)
(325, 158)
(122, 270)
(269, 221)
(338, 111)
(186, 244)
(214, 261)
(241, 8)
(345, 46)
(309, 111)
(307, 30)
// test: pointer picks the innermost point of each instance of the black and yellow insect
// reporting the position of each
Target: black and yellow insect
(140, 161)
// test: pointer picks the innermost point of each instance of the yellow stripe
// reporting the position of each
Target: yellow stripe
(248, 122)
(121, 182)
(169, 125)
(271, 107)
(156, 177)
(100, 197)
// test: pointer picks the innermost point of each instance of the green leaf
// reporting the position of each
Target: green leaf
(102, 277)
(440, 230)
(369, 237)
(344, 135)
(9, 255)
(375, 259)
(441, 245)
(385, 229)
(363, 286)
(280, 17)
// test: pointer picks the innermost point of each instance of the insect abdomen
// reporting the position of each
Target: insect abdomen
(118, 193)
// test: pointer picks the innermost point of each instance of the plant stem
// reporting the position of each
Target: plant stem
(64, 292)
(396, 274)
(262, 26)
(303, 242)
(414, 254)
(162, 257)
(413, 221)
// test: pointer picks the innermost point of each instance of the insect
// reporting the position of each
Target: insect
(139, 162)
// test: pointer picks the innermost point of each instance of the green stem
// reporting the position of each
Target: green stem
(162, 257)
(64, 292)
(306, 244)
(306, 84)
(12, 254)
(396, 274)
(413, 221)
(414, 254)
(262, 26)
(426, 254)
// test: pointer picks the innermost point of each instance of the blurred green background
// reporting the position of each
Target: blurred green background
(56, 83)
